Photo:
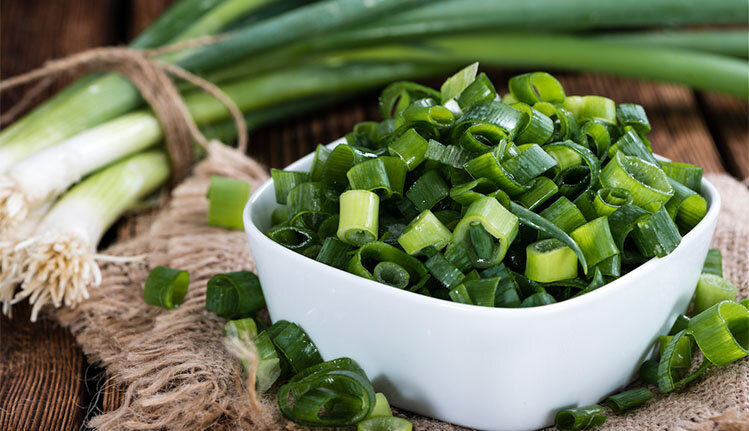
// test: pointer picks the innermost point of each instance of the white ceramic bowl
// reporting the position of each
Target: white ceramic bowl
(486, 368)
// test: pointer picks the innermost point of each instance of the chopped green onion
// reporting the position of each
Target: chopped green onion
(284, 181)
(443, 270)
(333, 393)
(649, 372)
(538, 299)
(608, 200)
(666, 365)
(455, 84)
(713, 263)
(429, 189)
(410, 147)
(392, 274)
(550, 260)
(497, 113)
(496, 220)
(334, 252)
(564, 214)
(631, 144)
(381, 407)
(629, 399)
(682, 322)
(656, 235)
(596, 134)
(581, 418)
(537, 130)
(381, 252)
(437, 116)
(630, 114)
(234, 295)
(308, 206)
(424, 231)
(467, 193)
(293, 237)
(682, 354)
(712, 289)
(226, 198)
(645, 181)
(536, 87)
(384, 424)
(372, 176)
(241, 328)
(298, 351)
(722, 332)
(487, 166)
(595, 240)
(684, 173)
(686, 207)
(450, 156)
(542, 189)
(359, 217)
(529, 164)
(268, 368)
(166, 287)
(480, 90)
(318, 163)
(480, 137)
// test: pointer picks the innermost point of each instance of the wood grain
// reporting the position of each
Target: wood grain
(728, 121)
(42, 371)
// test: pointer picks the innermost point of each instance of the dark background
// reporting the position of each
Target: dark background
(45, 381)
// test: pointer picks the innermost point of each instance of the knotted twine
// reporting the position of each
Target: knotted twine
(152, 78)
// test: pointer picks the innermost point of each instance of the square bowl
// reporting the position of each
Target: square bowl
(485, 368)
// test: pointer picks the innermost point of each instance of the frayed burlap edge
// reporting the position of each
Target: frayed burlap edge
(178, 373)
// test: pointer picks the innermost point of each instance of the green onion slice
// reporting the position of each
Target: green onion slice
(645, 181)
(530, 163)
(166, 287)
(467, 193)
(385, 424)
(372, 176)
(722, 332)
(318, 163)
(487, 166)
(542, 189)
(480, 90)
(297, 349)
(269, 364)
(226, 200)
(666, 368)
(682, 354)
(685, 207)
(713, 263)
(535, 221)
(426, 191)
(375, 252)
(608, 200)
(581, 418)
(631, 144)
(498, 222)
(447, 155)
(334, 252)
(410, 147)
(712, 289)
(333, 393)
(684, 173)
(455, 84)
(536, 87)
(649, 372)
(564, 214)
(597, 136)
(595, 240)
(630, 399)
(497, 113)
(550, 260)
(585, 154)
(234, 295)
(537, 130)
(424, 231)
(656, 235)
(293, 237)
(284, 181)
(631, 114)
(480, 137)
(397, 96)
(359, 217)
(437, 116)
(308, 206)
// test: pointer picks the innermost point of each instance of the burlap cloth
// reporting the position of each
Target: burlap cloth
(178, 374)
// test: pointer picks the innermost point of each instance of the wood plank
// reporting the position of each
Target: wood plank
(728, 121)
(142, 13)
(42, 370)
(42, 375)
(34, 31)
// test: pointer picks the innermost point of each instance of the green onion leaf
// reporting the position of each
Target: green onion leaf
(684, 173)
(608, 200)
(429, 189)
(722, 332)
(536, 87)
(334, 252)
(455, 84)
(424, 231)
(384, 424)
(645, 181)
(284, 181)
(631, 114)
(375, 252)
(595, 240)
(656, 235)
(496, 220)
(410, 147)
(682, 354)
(550, 260)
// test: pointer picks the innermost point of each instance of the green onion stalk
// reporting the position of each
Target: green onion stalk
(89, 104)
(706, 71)
(98, 98)
(59, 260)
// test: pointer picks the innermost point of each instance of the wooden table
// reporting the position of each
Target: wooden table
(46, 382)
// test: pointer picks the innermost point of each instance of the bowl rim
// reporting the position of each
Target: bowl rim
(708, 191)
